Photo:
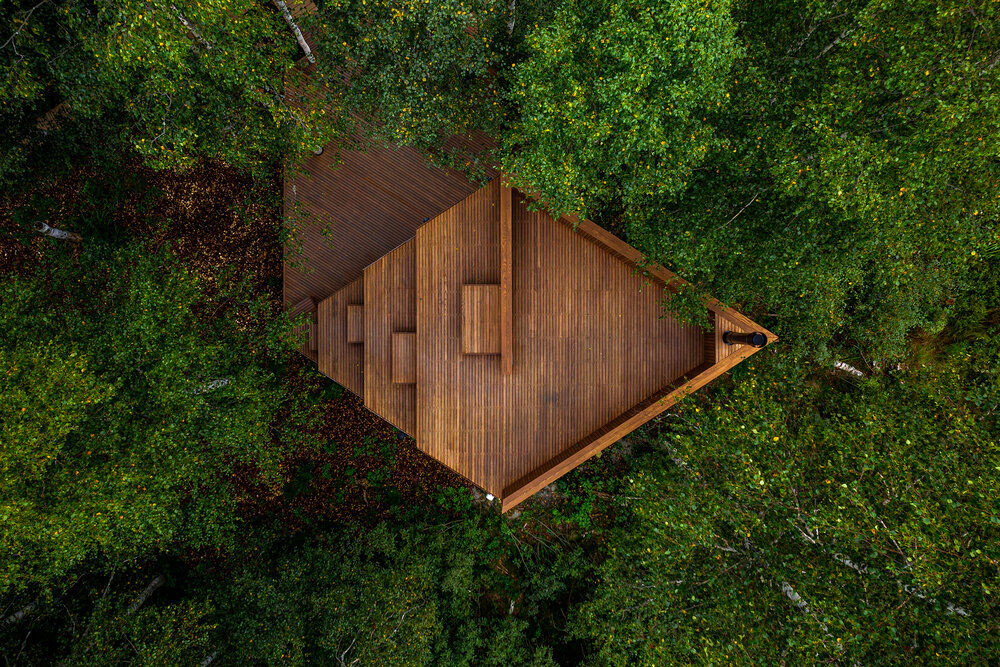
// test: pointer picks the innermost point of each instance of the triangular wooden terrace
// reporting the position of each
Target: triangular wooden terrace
(511, 345)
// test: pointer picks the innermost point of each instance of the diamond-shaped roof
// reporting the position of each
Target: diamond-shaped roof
(512, 345)
(590, 344)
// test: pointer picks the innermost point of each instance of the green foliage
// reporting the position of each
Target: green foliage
(829, 167)
(399, 595)
(858, 183)
(47, 392)
(612, 100)
(766, 528)
(419, 72)
(835, 165)
(138, 73)
(158, 633)
(125, 410)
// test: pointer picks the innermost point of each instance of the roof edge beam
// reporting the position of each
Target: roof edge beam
(612, 432)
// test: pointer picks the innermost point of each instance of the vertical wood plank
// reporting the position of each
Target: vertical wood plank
(404, 357)
(390, 307)
(506, 280)
(355, 323)
(480, 316)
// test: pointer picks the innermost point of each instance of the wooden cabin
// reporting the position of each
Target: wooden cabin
(511, 345)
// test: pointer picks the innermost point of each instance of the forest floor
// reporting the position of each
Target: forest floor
(221, 222)
(360, 469)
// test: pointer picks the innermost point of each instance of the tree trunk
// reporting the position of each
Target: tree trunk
(295, 29)
(191, 29)
(150, 589)
(787, 589)
(18, 615)
(841, 366)
(211, 386)
(45, 230)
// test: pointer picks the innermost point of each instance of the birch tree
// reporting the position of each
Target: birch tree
(806, 513)
(174, 80)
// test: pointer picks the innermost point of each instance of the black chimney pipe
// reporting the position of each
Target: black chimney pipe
(755, 339)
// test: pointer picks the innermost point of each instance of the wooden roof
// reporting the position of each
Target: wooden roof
(348, 213)
(512, 346)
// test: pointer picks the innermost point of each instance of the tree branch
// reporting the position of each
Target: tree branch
(194, 31)
(295, 29)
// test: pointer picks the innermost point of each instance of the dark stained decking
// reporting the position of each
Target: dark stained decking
(349, 215)
(390, 312)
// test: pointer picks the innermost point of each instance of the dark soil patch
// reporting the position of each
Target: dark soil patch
(359, 468)
(217, 219)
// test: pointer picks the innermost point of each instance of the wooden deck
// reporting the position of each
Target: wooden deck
(391, 311)
(587, 334)
(347, 216)
(339, 358)
(511, 345)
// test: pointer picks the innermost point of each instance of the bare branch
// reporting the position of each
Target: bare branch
(836, 41)
(741, 210)
(24, 22)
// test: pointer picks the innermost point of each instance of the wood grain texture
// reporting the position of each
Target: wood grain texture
(506, 280)
(404, 357)
(347, 209)
(355, 323)
(588, 337)
(615, 430)
(449, 307)
(337, 359)
(390, 307)
(609, 433)
(717, 362)
(459, 246)
(480, 319)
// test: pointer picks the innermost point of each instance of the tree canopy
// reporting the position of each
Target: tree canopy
(124, 414)
(760, 527)
(179, 486)
(611, 101)
(173, 80)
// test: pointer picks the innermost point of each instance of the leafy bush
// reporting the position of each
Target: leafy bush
(125, 409)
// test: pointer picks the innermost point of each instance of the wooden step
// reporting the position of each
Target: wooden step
(481, 319)
(390, 310)
(337, 358)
